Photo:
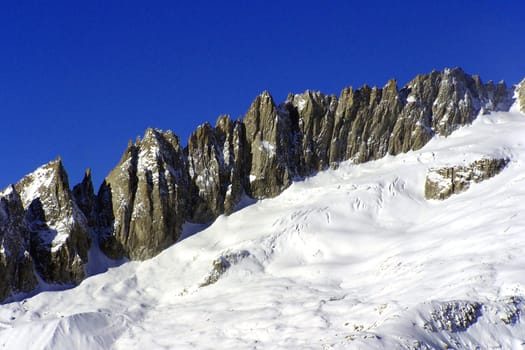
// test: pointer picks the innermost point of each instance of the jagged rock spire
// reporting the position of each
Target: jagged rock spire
(146, 197)
(58, 229)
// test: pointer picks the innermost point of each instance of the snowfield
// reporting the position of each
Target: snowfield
(353, 258)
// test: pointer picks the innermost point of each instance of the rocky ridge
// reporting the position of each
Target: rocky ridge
(159, 185)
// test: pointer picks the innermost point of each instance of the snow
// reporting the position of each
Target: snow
(301, 102)
(268, 147)
(6, 191)
(353, 258)
(411, 99)
(147, 161)
(38, 180)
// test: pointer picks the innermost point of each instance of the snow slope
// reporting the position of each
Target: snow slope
(353, 258)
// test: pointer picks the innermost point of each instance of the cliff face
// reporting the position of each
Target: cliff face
(42, 231)
(144, 200)
(158, 185)
(16, 263)
(216, 158)
(59, 234)
(442, 183)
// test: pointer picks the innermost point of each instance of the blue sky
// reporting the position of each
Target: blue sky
(80, 78)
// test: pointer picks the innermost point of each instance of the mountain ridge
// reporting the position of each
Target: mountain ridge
(159, 185)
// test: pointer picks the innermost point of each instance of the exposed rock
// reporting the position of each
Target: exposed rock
(59, 236)
(269, 140)
(84, 196)
(512, 309)
(16, 265)
(313, 113)
(144, 201)
(453, 316)
(521, 95)
(223, 264)
(216, 158)
(232, 136)
(441, 102)
(373, 123)
(441, 183)
(204, 161)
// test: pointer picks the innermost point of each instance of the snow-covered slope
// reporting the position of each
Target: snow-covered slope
(350, 258)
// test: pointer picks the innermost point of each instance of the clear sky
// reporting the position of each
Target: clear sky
(80, 78)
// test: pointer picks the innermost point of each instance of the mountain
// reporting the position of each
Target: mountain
(353, 257)
(48, 232)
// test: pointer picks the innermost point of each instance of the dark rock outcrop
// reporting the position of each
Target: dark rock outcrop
(216, 158)
(84, 195)
(145, 199)
(313, 114)
(16, 264)
(270, 143)
(453, 316)
(441, 183)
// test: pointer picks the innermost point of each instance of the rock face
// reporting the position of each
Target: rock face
(314, 116)
(158, 185)
(16, 264)
(521, 95)
(42, 231)
(216, 158)
(85, 198)
(270, 143)
(441, 183)
(59, 236)
(144, 200)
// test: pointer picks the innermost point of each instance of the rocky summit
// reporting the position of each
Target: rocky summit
(47, 229)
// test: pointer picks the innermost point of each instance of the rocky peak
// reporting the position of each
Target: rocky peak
(313, 112)
(59, 236)
(146, 196)
(261, 118)
(456, 103)
(84, 195)
(269, 139)
(390, 91)
(205, 161)
(216, 159)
